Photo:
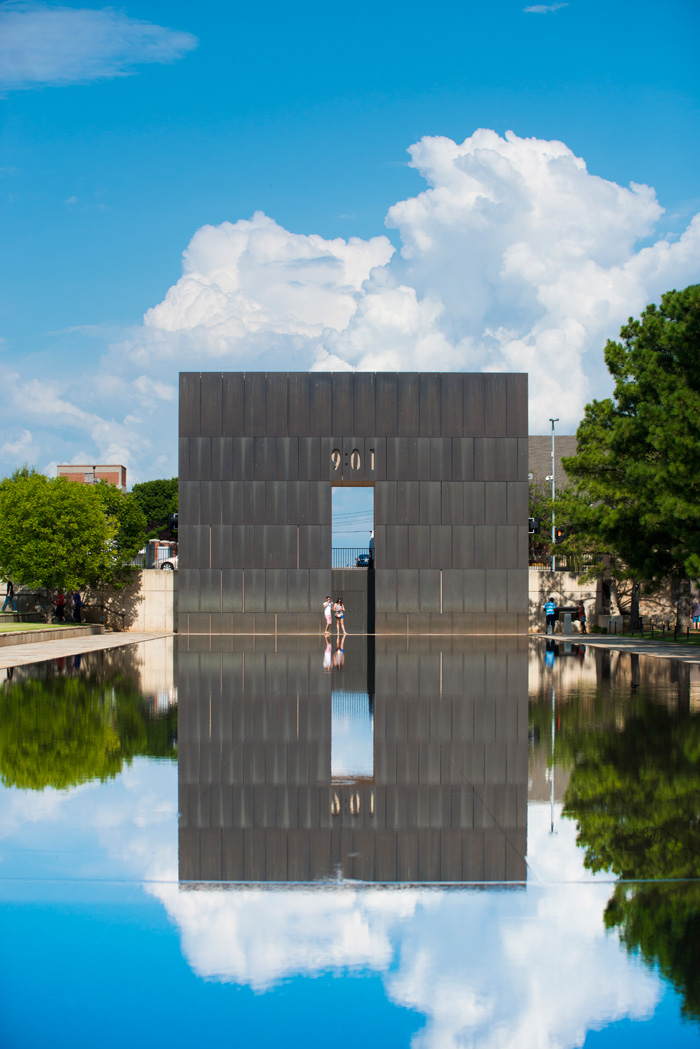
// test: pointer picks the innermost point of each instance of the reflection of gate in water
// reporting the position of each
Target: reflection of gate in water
(431, 785)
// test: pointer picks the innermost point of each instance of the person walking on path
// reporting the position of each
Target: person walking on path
(339, 610)
(550, 610)
(60, 607)
(582, 616)
(10, 597)
(328, 613)
(695, 613)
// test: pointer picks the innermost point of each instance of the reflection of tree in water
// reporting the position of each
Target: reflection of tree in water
(634, 793)
(58, 731)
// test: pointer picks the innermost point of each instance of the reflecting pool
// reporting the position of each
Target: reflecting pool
(427, 842)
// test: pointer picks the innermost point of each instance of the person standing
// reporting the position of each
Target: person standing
(77, 607)
(339, 610)
(695, 612)
(550, 611)
(10, 597)
(328, 613)
(60, 607)
(582, 616)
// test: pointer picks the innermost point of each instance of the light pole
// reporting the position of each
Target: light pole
(553, 421)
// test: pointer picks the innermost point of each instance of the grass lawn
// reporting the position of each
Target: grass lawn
(666, 637)
(7, 628)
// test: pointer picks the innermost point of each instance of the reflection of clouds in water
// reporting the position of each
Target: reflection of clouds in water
(491, 968)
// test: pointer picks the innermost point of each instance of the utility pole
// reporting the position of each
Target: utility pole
(553, 421)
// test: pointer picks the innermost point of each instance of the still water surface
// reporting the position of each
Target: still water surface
(471, 843)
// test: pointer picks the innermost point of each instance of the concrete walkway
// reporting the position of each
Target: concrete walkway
(636, 645)
(19, 655)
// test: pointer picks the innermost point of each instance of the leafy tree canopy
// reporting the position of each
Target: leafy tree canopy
(637, 468)
(157, 499)
(57, 534)
(68, 730)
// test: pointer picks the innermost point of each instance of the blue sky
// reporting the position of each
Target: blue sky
(129, 133)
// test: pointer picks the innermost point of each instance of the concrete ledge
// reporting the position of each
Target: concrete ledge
(30, 637)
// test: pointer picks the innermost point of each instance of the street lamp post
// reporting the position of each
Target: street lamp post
(553, 421)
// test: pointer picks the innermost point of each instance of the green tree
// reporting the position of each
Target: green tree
(67, 730)
(157, 499)
(53, 533)
(637, 468)
(126, 516)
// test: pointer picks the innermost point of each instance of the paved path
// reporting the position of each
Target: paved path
(637, 645)
(18, 655)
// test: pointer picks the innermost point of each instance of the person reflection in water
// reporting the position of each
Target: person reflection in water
(550, 652)
(328, 658)
(339, 656)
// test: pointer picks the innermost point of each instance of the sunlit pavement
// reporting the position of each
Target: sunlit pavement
(19, 655)
(637, 645)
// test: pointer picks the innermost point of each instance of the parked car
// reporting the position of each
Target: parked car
(170, 564)
(363, 561)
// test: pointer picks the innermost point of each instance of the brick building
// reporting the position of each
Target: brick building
(111, 473)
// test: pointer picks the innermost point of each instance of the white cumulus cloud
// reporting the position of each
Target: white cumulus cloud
(46, 44)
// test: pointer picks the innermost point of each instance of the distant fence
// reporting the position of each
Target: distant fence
(346, 556)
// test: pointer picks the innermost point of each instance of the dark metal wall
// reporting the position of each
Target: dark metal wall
(448, 797)
(445, 453)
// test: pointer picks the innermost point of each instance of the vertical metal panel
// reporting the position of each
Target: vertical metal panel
(201, 546)
(210, 590)
(517, 592)
(211, 404)
(222, 548)
(324, 546)
(222, 458)
(320, 404)
(309, 542)
(232, 590)
(254, 502)
(516, 410)
(495, 404)
(408, 590)
(495, 503)
(363, 404)
(380, 464)
(452, 590)
(319, 587)
(299, 414)
(452, 502)
(463, 459)
(254, 590)
(287, 458)
(396, 455)
(441, 459)
(418, 546)
(183, 449)
(210, 502)
(188, 590)
(342, 406)
(255, 400)
(429, 590)
(475, 590)
(407, 502)
(473, 405)
(320, 509)
(233, 404)
(243, 539)
(276, 590)
(506, 546)
(408, 404)
(440, 547)
(231, 502)
(276, 502)
(451, 405)
(517, 499)
(298, 502)
(298, 590)
(386, 404)
(496, 590)
(485, 459)
(352, 461)
(309, 459)
(474, 502)
(430, 389)
(522, 455)
(430, 497)
(188, 501)
(200, 458)
(243, 468)
(485, 546)
(190, 415)
(385, 502)
(397, 546)
(287, 544)
(276, 420)
(523, 545)
(509, 454)
(265, 458)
